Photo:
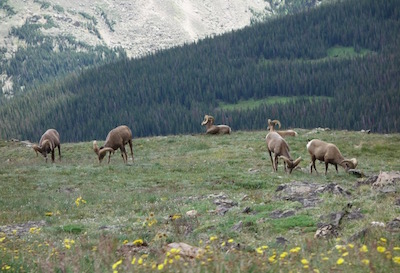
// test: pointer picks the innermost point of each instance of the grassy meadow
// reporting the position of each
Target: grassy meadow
(81, 216)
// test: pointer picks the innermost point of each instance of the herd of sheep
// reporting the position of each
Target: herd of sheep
(118, 137)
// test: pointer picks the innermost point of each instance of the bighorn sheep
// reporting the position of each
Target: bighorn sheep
(48, 143)
(215, 129)
(328, 153)
(116, 139)
(271, 128)
(277, 145)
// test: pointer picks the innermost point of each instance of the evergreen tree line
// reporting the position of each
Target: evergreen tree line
(170, 91)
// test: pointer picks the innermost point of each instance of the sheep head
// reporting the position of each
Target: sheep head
(290, 162)
(273, 123)
(208, 119)
(44, 149)
(349, 163)
(102, 151)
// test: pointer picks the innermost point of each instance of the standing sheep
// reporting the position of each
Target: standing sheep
(215, 129)
(48, 143)
(330, 154)
(277, 145)
(116, 139)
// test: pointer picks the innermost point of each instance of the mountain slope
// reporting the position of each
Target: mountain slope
(35, 35)
(320, 53)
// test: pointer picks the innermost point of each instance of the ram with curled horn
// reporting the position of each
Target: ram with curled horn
(282, 133)
(330, 154)
(49, 141)
(215, 129)
(116, 139)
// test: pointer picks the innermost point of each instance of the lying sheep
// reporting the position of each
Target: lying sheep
(277, 145)
(330, 154)
(285, 133)
(49, 141)
(116, 139)
(215, 129)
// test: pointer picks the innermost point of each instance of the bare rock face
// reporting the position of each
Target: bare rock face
(308, 193)
(138, 26)
(387, 181)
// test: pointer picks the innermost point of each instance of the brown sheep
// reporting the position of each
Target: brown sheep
(330, 154)
(116, 139)
(49, 141)
(215, 129)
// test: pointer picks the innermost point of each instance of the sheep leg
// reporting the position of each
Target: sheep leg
(52, 155)
(109, 157)
(59, 151)
(326, 167)
(124, 155)
(130, 146)
(336, 168)
(272, 161)
(313, 164)
(276, 163)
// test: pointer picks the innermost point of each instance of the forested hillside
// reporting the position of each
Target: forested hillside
(341, 63)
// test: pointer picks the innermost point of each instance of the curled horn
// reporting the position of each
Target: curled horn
(95, 147)
(205, 121)
(275, 122)
(352, 162)
(102, 152)
(291, 164)
(37, 149)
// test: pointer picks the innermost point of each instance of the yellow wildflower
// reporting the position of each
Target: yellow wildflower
(230, 241)
(396, 248)
(345, 254)
(396, 259)
(365, 261)
(125, 242)
(49, 213)
(259, 250)
(340, 261)
(133, 260)
(272, 259)
(213, 238)
(364, 248)
(381, 249)
(160, 267)
(304, 261)
(325, 259)
(115, 265)
(383, 240)
(2, 239)
(315, 270)
(283, 255)
(138, 242)
(295, 250)
(350, 245)
(140, 261)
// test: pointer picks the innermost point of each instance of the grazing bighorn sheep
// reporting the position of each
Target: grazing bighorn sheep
(277, 145)
(116, 139)
(271, 128)
(48, 143)
(330, 154)
(215, 129)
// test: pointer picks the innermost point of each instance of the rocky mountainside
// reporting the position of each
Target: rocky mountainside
(140, 26)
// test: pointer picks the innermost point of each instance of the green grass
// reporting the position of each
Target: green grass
(346, 52)
(148, 199)
(253, 104)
